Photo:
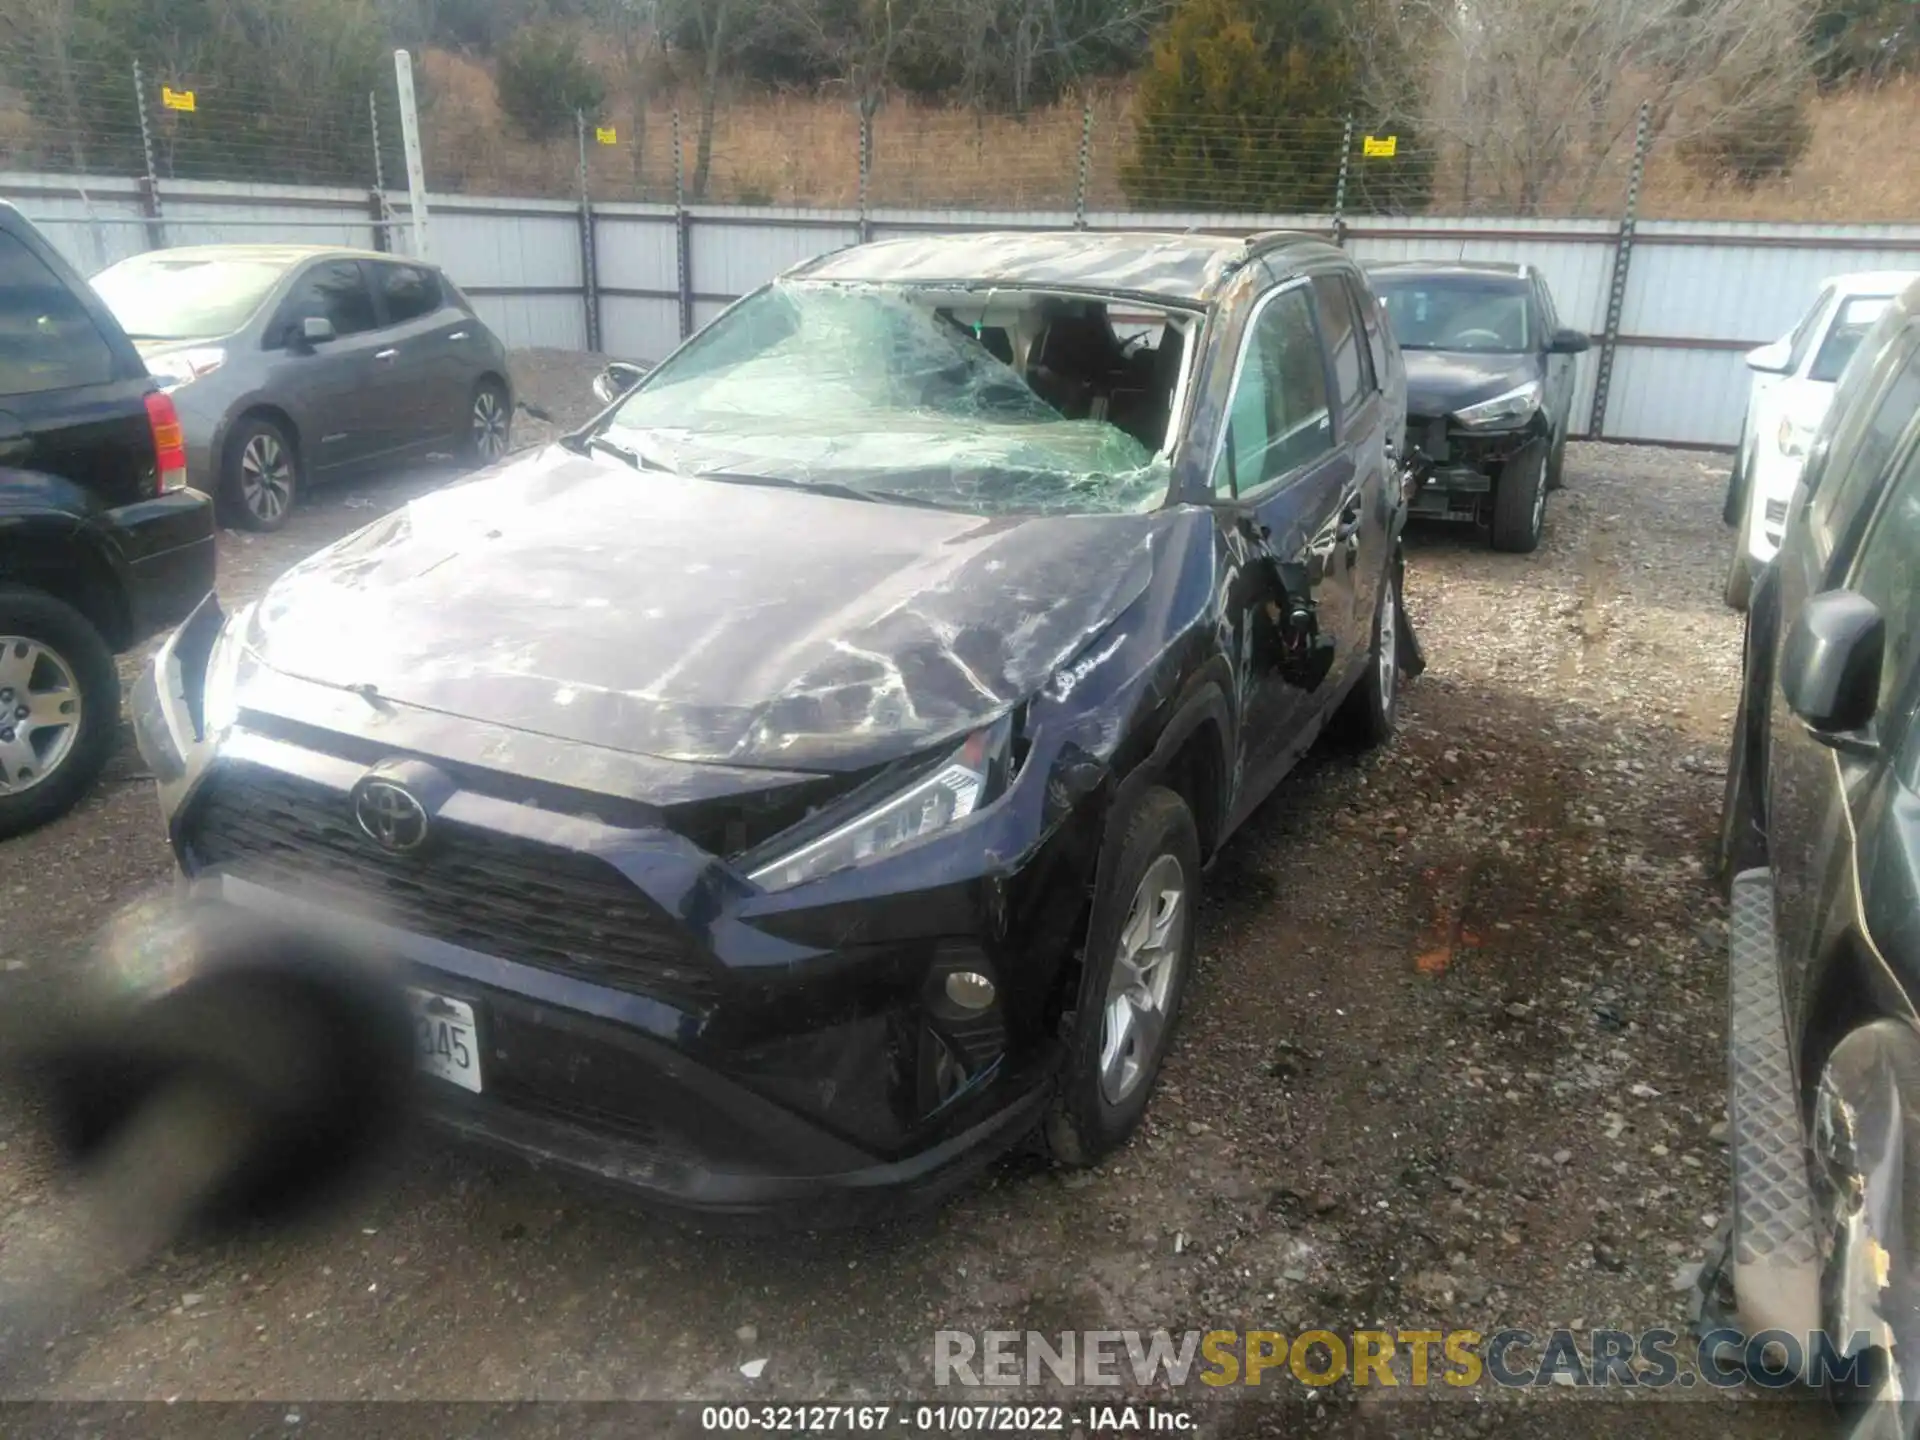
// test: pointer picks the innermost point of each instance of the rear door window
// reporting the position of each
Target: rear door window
(1342, 339)
(409, 292)
(47, 339)
(334, 290)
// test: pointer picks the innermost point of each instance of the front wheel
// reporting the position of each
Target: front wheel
(1140, 943)
(1520, 502)
(59, 707)
(489, 424)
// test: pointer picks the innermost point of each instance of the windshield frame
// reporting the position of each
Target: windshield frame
(155, 262)
(1197, 319)
(1491, 283)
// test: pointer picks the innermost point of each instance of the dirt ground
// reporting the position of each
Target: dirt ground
(1452, 1058)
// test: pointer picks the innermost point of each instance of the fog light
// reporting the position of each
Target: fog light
(969, 989)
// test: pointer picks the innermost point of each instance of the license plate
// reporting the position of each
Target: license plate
(448, 1041)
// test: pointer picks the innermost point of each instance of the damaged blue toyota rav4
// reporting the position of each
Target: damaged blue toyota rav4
(791, 790)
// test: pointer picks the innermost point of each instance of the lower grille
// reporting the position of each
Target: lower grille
(517, 899)
(1776, 514)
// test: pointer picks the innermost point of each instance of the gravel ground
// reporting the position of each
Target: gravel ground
(1452, 1058)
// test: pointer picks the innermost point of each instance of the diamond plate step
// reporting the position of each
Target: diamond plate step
(1776, 1266)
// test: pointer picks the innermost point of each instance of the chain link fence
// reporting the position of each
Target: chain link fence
(162, 121)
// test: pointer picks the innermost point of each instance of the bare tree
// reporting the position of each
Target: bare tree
(635, 27)
(44, 31)
(1534, 98)
(857, 41)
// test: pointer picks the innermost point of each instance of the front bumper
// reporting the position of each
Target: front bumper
(1463, 466)
(646, 1018)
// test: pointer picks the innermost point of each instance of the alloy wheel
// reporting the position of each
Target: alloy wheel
(266, 477)
(40, 712)
(489, 425)
(1540, 501)
(1134, 1018)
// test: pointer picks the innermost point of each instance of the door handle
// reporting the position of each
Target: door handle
(384, 356)
(457, 335)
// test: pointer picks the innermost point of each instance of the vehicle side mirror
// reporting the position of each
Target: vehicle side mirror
(616, 380)
(1569, 342)
(317, 330)
(1830, 669)
(1774, 359)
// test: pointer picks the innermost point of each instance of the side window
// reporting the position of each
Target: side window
(334, 290)
(1887, 572)
(1343, 339)
(1863, 444)
(408, 291)
(47, 339)
(1278, 418)
(1373, 322)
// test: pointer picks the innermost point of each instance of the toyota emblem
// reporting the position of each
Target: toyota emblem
(389, 816)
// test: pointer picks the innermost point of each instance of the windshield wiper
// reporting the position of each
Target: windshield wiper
(587, 444)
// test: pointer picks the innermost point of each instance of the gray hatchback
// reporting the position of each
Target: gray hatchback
(290, 363)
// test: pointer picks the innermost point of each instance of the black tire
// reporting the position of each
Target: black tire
(1742, 844)
(1737, 590)
(487, 436)
(1557, 466)
(1371, 710)
(1733, 509)
(260, 477)
(79, 657)
(1087, 1121)
(1520, 502)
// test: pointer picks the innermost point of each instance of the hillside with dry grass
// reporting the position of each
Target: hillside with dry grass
(773, 148)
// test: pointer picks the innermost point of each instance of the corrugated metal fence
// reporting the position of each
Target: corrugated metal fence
(633, 279)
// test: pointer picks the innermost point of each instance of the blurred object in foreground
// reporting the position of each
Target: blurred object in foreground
(202, 1069)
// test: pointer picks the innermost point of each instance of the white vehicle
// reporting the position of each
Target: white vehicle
(1793, 384)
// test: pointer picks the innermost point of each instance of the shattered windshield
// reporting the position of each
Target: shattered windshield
(871, 390)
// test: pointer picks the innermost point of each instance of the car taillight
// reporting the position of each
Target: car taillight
(169, 444)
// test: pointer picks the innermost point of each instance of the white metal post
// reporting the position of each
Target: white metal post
(410, 143)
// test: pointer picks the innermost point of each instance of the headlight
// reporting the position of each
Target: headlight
(1508, 409)
(180, 367)
(1794, 438)
(952, 790)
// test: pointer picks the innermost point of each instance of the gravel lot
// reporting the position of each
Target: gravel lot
(1453, 1057)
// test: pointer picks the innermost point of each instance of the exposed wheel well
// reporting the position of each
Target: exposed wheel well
(1841, 1002)
(1195, 772)
(494, 377)
(72, 574)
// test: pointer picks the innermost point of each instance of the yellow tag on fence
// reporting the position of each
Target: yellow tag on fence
(176, 99)
(606, 135)
(1382, 147)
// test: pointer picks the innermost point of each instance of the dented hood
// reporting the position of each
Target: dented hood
(699, 620)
